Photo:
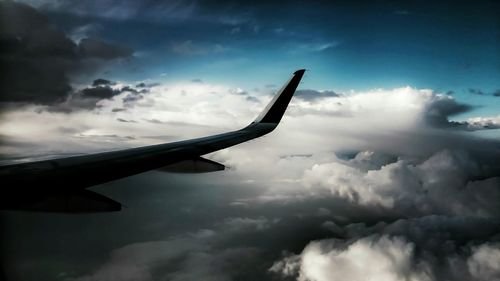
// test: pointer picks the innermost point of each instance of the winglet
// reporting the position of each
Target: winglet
(276, 108)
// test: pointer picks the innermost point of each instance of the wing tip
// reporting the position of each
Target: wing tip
(275, 110)
(300, 71)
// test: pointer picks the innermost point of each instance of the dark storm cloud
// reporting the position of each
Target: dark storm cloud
(99, 92)
(37, 58)
(439, 111)
(100, 89)
(102, 82)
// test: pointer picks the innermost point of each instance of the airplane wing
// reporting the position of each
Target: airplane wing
(59, 185)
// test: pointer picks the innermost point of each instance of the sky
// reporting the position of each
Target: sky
(385, 166)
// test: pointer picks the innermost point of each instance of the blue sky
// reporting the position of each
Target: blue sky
(445, 46)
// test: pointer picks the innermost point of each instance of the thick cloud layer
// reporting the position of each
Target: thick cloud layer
(410, 188)
(352, 186)
(427, 248)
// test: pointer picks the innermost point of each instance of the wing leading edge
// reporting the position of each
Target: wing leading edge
(34, 185)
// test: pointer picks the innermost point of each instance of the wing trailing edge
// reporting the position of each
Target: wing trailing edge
(193, 166)
(68, 201)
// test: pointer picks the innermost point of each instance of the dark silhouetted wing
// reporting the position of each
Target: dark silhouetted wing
(56, 185)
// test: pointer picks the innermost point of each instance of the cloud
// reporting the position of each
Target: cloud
(95, 48)
(441, 107)
(480, 123)
(404, 147)
(191, 104)
(476, 92)
(309, 47)
(147, 85)
(38, 59)
(427, 248)
(258, 224)
(90, 97)
(134, 262)
(422, 105)
(484, 263)
(381, 258)
(353, 118)
(84, 31)
(189, 47)
(409, 188)
(100, 92)
(121, 10)
(479, 92)
(126, 121)
(351, 183)
(313, 94)
(190, 256)
(102, 82)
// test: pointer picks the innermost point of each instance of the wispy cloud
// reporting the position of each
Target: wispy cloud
(189, 47)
